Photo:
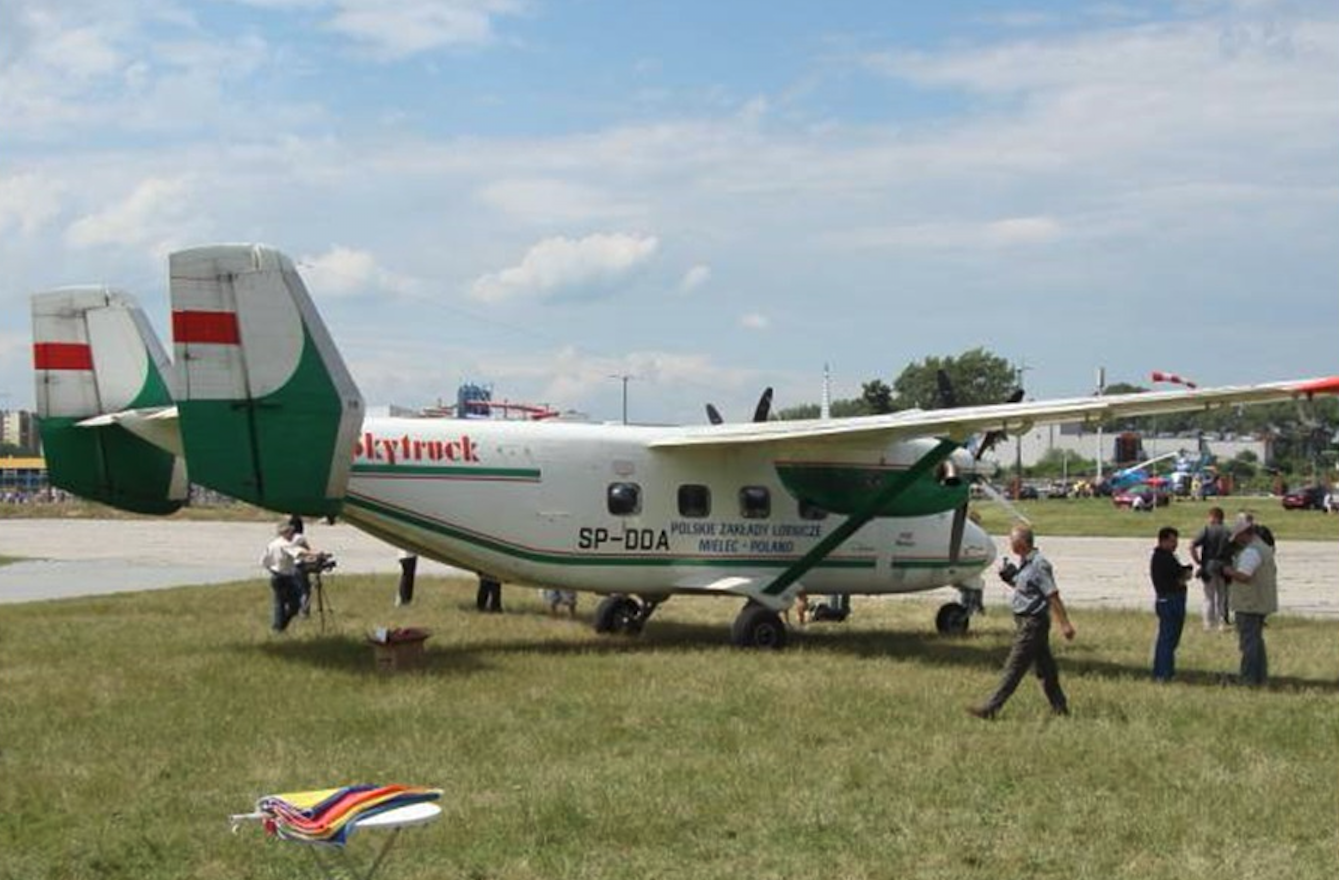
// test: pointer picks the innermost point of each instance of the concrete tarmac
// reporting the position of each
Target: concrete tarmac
(65, 558)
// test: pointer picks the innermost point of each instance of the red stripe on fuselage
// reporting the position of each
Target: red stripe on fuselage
(62, 356)
(214, 328)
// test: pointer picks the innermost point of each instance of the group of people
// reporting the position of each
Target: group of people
(1240, 577)
(1236, 565)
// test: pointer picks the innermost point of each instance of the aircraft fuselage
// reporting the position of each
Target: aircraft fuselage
(594, 507)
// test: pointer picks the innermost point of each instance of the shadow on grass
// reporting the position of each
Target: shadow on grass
(353, 655)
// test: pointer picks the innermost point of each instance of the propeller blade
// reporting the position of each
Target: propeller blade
(955, 536)
(714, 415)
(764, 408)
(947, 399)
(992, 437)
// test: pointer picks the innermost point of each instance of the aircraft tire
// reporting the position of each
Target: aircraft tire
(758, 627)
(617, 614)
(952, 619)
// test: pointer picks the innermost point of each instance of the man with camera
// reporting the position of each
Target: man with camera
(1035, 599)
(281, 559)
(1169, 583)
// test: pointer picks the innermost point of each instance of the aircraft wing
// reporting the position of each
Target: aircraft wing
(1013, 418)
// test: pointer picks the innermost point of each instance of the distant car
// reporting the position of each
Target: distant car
(1024, 493)
(1309, 498)
(1141, 496)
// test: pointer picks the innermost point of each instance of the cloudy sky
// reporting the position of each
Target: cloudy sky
(708, 197)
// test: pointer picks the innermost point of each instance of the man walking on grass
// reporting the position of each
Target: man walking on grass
(1035, 599)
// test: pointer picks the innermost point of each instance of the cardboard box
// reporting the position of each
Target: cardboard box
(398, 650)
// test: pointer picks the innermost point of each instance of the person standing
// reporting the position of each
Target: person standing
(1211, 550)
(281, 560)
(1035, 599)
(300, 574)
(489, 597)
(1254, 596)
(1169, 584)
(408, 565)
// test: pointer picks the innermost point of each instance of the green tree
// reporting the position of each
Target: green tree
(977, 376)
(877, 396)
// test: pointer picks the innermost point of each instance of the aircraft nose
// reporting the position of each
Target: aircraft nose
(977, 545)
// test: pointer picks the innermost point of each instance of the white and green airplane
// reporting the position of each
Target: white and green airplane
(257, 404)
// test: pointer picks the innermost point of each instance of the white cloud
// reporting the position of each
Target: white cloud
(28, 202)
(409, 27)
(348, 272)
(1022, 231)
(695, 278)
(560, 266)
(965, 235)
(154, 214)
(552, 201)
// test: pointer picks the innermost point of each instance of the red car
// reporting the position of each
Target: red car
(1141, 496)
(1310, 498)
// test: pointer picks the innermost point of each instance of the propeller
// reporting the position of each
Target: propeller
(947, 398)
(761, 412)
(992, 437)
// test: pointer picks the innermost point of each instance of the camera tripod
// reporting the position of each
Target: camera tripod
(317, 596)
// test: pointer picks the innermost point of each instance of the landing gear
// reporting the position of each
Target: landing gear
(758, 626)
(624, 615)
(952, 619)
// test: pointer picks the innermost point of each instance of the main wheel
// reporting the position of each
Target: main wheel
(617, 614)
(758, 627)
(952, 619)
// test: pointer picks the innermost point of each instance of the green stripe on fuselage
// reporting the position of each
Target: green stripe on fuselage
(356, 504)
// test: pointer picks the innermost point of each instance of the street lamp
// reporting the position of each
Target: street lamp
(624, 377)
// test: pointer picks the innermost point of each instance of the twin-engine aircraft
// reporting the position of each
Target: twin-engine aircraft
(257, 404)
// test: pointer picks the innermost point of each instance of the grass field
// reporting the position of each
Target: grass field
(132, 725)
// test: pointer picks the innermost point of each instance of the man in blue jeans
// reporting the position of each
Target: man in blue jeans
(1169, 583)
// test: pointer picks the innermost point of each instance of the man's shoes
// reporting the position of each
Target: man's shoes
(981, 712)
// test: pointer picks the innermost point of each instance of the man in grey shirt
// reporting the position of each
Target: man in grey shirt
(1035, 598)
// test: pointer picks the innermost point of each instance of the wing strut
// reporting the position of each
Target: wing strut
(894, 487)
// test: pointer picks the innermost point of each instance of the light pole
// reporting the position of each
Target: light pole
(624, 377)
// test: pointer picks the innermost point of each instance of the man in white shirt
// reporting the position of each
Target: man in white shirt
(281, 561)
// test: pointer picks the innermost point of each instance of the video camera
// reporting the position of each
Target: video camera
(1008, 572)
(318, 563)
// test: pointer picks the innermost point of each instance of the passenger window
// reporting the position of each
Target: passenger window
(811, 511)
(625, 499)
(694, 501)
(755, 502)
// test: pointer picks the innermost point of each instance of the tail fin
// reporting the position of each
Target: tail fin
(269, 413)
(102, 376)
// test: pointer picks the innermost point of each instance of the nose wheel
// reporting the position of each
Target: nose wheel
(952, 619)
